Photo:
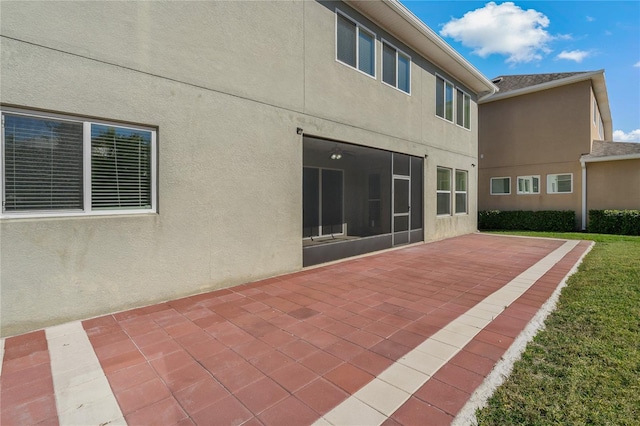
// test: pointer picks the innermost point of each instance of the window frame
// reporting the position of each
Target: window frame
(465, 192)
(529, 178)
(359, 27)
(398, 53)
(444, 99)
(442, 191)
(466, 100)
(551, 175)
(499, 193)
(87, 209)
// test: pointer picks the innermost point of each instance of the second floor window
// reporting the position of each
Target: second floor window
(396, 68)
(444, 99)
(355, 45)
(463, 109)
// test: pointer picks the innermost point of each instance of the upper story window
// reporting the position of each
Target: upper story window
(355, 45)
(560, 183)
(463, 109)
(500, 186)
(528, 184)
(444, 99)
(396, 67)
(59, 166)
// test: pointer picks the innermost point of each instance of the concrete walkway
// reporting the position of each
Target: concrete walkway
(415, 336)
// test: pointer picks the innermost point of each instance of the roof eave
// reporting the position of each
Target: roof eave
(587, 159)
(413, 32)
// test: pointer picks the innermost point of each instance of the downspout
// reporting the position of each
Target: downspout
(584, 194)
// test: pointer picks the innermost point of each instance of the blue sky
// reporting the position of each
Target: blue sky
(529, 37)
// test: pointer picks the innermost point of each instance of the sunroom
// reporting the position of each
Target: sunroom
(358, 199)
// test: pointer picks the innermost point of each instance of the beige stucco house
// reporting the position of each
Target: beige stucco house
(541, 146)
(157, 149)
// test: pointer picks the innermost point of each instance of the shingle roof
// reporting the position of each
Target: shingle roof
(601, 149)
(507, 83)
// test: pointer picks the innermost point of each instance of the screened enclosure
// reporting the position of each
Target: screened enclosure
(357, 200)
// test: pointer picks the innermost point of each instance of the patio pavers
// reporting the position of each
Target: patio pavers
(400, 337)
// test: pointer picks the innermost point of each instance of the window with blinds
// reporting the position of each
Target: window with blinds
(355, 45)
(396, 67)
(59, 166)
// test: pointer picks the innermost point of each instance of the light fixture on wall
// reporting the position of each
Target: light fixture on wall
(335, 154)
(299, 130)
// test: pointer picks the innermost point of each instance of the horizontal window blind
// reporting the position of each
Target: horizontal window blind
(42, 164)
(120, 168)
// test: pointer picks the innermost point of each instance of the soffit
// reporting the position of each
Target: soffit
(405, 26)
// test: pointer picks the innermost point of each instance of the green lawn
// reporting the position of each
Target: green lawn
(584, 367)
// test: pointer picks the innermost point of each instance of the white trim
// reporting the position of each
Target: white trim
(367, 30)
(465, 192)
(398, 53)
(442, 191)
(499, 193)
(87, 210)
(557, 192)
(464, 93)
(584, 195)
(530, 178)
(444, 99)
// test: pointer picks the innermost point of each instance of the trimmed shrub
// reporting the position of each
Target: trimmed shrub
(619, 222)
(518, 220)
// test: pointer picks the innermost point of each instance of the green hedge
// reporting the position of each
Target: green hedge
(518, 220)
(619, 222)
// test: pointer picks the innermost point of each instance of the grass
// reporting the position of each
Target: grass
(584, 367)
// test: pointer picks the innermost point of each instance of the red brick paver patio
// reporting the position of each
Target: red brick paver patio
(296, 349)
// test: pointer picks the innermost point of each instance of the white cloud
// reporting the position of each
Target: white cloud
(637, 64)
(503, 29)
(574, 55)
(590, 19)
(632, 136)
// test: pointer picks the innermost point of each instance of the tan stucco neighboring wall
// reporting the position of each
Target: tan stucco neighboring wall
(535, 134)
(226, 84)
(541, 201)
(613, 185)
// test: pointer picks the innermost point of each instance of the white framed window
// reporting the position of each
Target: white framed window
(601, 128)
(461, 191)
(396, 67)
(53, 165)
(463, 109)
(443, 191)
(500, 185)
(528, 185)
(595, 112)
(444, 98)
(355, 44)
(560, 183)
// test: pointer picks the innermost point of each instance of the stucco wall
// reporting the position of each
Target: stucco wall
(535, 134)
(226, 84)
(613, 185)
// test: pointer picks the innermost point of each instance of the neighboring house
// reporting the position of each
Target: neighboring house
(153, 150)
(540, 147)
(612, 171)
